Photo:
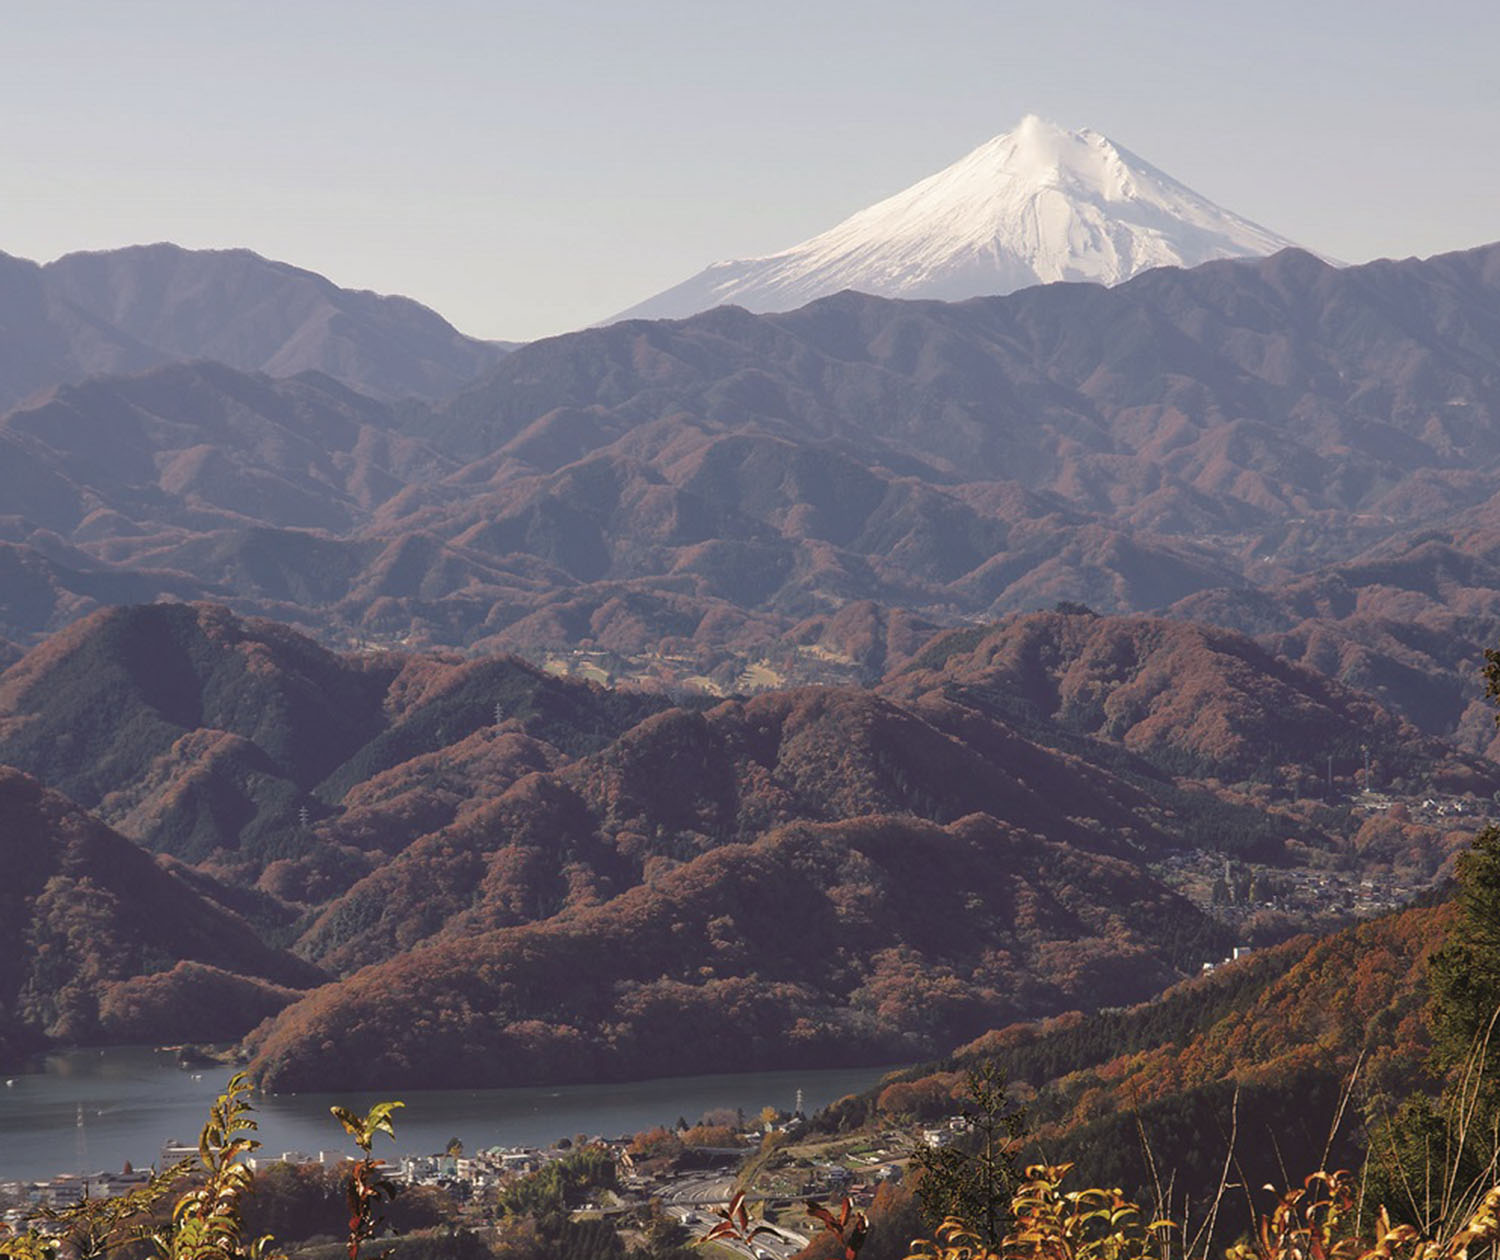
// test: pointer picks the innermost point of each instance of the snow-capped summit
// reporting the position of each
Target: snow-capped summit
(1037, 204)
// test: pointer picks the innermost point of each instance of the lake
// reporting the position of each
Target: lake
(133, 1099)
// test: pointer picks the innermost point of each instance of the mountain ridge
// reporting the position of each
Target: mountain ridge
(128, 310)
(684, 494)
(96, 933)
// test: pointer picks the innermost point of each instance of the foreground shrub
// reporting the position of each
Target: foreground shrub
(1318, 1221)
(207, 1220)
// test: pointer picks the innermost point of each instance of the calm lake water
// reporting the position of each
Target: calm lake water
(133, 1099)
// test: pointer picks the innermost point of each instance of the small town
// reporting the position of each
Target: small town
(678, 1179)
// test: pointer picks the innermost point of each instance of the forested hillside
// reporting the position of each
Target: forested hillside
(99, 943)
(580, 883)
(1255, 1058)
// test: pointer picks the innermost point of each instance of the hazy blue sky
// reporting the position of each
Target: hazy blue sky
(529, 168)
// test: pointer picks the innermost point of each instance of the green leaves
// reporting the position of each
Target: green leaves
(364, 1128)
(206, 1220)
(974, 1179)
(366, 1185)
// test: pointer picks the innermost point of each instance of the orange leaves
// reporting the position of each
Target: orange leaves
(1318, 1222)
(955, 1241)
(1311, 1223)
(735, 1225)
(1053, 1224)
(657, 1143)
(923, 1099)
(720, 1136)
(849, 1226)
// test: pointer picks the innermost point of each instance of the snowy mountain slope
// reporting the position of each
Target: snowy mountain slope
(1032, 206)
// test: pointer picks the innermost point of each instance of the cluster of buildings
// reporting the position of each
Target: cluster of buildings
(1234, 890)
(19, 1199)
(945, 1134)
(468, 1173)
(681, 1182)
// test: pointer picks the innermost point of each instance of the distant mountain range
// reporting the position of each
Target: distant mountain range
(1271, 440)
(130, 310)
(1035, 205)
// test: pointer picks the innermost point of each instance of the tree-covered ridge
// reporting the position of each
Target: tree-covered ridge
(92, 709)
(820, 943)
(1261, 1052)
(1187, 698)
(99, 943)
(396, 809)
(208, 736)
(676, 786)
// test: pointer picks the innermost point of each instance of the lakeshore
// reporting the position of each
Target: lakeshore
(134, 1100)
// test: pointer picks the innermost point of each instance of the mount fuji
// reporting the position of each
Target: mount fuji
(1035, 205)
